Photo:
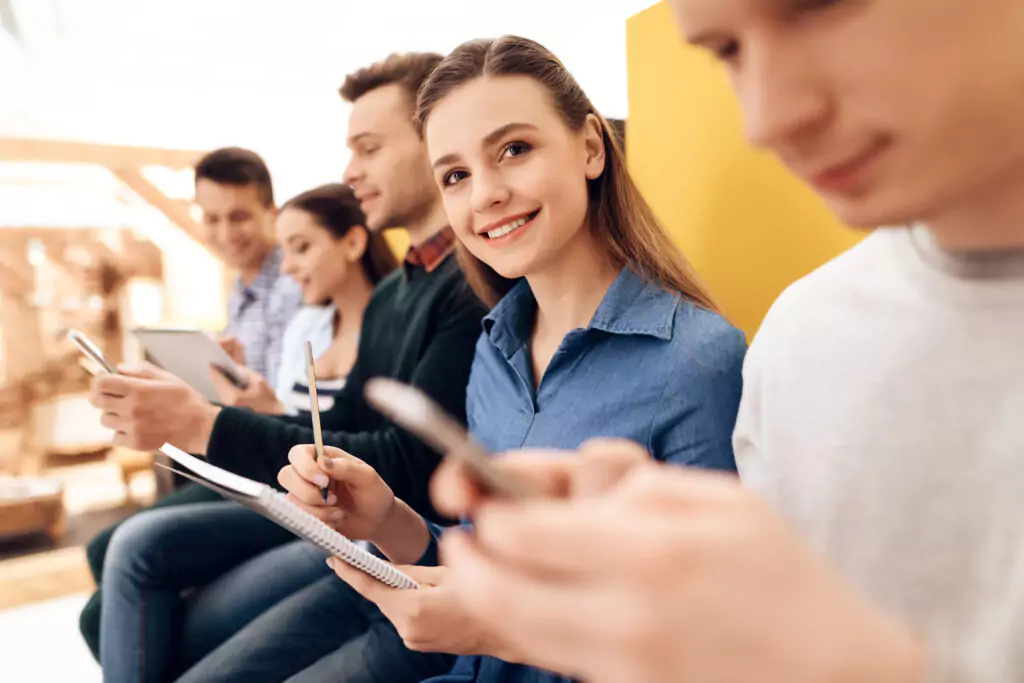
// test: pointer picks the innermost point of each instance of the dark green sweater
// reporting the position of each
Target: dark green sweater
(419, 328)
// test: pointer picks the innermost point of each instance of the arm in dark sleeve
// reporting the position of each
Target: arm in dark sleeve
(256, 447)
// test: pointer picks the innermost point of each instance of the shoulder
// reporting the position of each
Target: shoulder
(310, 318)
(826, 290)
(705, 343)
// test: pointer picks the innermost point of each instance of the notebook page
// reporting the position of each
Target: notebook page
(228, 480)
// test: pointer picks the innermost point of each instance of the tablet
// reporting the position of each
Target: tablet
(189, 354)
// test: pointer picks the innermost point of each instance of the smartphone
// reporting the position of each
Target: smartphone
(415, 411)
(91, 351)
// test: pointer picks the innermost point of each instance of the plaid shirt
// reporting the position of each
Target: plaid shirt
(258, 314)
(431, 253)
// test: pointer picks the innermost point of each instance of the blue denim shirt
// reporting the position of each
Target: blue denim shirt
(650, 367)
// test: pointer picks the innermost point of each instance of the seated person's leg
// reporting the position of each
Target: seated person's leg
(376, 656)
(152, 558)
(297, 632)
(223, 607)
(96, 550)
(89, 623)
(96, 553)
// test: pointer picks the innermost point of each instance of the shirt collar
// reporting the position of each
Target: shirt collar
(265, 279)
(431, 253)
(631, 306)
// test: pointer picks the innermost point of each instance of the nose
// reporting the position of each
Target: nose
(288, 266)
(489, 190)
(782, 99)
(353, 172)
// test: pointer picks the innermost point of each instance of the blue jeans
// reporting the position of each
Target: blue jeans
(323, 633)
(176, 585)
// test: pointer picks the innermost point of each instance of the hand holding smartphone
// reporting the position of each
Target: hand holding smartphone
(91, 351)
(415, 411)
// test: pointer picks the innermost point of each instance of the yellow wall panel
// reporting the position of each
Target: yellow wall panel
(749, 227)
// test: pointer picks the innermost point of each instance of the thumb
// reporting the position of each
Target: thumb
(425, 576)
(604, 463)
(143, 370)
(225, 389)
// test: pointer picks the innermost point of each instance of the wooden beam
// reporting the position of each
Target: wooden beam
(111, 156)
(175, 210)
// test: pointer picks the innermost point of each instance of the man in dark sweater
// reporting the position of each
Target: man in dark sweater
(420, 327)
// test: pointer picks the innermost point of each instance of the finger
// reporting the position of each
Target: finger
(143, 370)
(227, 391)
(331, 516)
(304, 491)
(345, 467)
(361, 582)
(425, 576)
(109, 385)
(588, 538)
(546, 624)
(604, 463)
(455, 491)
(304, 461)
(108, 403)
(113, 422)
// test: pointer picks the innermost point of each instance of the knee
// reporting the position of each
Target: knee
(137, 544)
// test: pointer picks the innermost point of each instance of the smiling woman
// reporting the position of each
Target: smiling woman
(534, 180)
(598, 327)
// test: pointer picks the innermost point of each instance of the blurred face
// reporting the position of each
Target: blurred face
(893, 110)
(238, 225)
(513, 176)
(317, 260)
(389, 171)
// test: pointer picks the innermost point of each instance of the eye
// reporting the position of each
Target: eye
(808, 5)
(301, 247)
(452, 177)
(727, 51)
(514, 149)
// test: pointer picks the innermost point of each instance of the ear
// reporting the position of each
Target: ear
(355, 242)
(593, 145)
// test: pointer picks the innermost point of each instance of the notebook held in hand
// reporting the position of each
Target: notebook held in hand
(276, 507)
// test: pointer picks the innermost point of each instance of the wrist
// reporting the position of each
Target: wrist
(403, 535)
(200, 430)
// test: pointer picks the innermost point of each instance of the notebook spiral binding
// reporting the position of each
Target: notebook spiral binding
(307, 526)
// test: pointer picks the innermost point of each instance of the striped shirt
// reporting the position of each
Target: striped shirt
(297, 400)
(259, 312)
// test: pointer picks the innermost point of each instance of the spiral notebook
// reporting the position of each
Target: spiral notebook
(276, 507)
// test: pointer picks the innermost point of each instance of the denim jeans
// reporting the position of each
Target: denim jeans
(323, 633)
(96, 554)
(175, 585)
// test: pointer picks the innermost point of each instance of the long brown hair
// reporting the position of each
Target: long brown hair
(334, 208)
(616, 211)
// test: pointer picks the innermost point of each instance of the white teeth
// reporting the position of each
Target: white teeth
(507, 228)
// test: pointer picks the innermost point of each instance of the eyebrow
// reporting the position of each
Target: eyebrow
(489, 140)
(360, 136)
(702, 39)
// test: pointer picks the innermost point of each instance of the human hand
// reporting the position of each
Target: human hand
(148, 407)
(669, 575)
(358, 502)
(429, 619)
(257, 396)
(596, 466)
(234, 348)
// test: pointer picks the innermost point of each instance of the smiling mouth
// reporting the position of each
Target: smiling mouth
(511, 226)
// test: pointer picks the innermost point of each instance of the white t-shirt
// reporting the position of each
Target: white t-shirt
(883, 414)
